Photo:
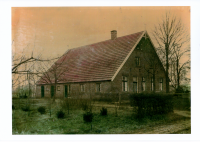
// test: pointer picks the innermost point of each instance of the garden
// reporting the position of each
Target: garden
(85, 116)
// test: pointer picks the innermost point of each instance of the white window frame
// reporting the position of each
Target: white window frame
(124, 83)
(143, 84)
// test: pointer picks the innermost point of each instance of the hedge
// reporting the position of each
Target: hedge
(149, 104)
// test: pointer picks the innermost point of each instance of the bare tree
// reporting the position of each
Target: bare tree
(169, 33)
(54, 74)
(179, 68)
(25, 70)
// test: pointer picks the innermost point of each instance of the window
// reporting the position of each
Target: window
(137, 61)
(135, 85)
(47, 88)
(82, 87)
(161, 84)
(152, 84)
(98, 87)
(143, 83)
(58, 88)
(124, 83)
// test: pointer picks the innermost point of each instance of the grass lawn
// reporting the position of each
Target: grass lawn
(124, 121)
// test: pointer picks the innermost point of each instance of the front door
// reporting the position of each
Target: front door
(52, 91)
(66, 91)
(42, 91)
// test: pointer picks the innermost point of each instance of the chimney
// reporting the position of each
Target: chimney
(113, 34)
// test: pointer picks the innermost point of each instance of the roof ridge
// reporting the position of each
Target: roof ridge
(103, 41)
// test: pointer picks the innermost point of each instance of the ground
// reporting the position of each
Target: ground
(120, 120)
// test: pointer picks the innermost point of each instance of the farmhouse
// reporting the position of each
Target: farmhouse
(121, 64)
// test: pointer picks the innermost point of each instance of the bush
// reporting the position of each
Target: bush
(150, 104)
(60, 114)
(179, 90)
(13, 107)
(42, 110)
(88, 116)
(103, 111)
(26, 108)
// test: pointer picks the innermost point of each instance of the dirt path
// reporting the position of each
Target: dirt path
(180, 127)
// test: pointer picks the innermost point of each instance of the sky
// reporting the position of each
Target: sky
(50, 31)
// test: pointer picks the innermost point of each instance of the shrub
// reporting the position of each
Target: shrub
(103, 111)
(60, 114)
(13, 107)
(150, 104)
(26, 108)
(42, 110)
(88, 116)
(179, 90)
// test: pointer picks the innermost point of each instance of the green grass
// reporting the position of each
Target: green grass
(33, 122)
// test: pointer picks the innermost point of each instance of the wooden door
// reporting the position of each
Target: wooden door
(66, 91)
(42, 91)
(52, 91)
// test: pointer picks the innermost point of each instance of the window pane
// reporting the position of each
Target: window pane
(126, 86)
(143, 86)
(134, 79)
(161, 86)
(152, 86)
(58, 88)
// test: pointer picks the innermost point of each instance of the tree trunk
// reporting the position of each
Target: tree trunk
(54, 96)
(178, 75)
(167, 67)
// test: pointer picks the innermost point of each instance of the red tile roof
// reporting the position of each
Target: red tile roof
(95, 62)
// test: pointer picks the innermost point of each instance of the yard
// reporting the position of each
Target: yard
(119, 120)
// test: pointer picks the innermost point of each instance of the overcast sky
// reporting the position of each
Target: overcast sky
(51, 31)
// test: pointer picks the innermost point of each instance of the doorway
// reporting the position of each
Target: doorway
(42, 91)
(52, 91)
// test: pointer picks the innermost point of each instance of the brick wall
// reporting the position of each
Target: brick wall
(131, 70)
(75, 89)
